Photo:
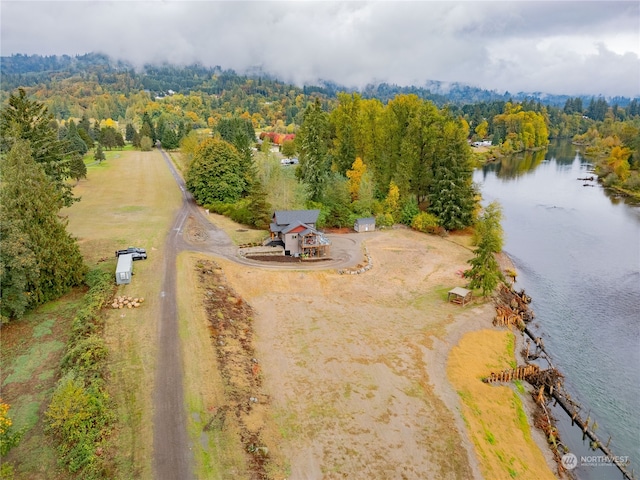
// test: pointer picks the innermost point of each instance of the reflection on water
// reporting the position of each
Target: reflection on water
(561, 151)
(515, 165)
(577, 252)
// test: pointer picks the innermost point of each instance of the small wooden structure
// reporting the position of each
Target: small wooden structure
(459, 295)
(367, 224)
(124, 269)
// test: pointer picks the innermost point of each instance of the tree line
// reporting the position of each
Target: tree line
(39, 259)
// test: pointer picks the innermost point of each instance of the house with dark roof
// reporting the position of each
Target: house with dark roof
(296, 231)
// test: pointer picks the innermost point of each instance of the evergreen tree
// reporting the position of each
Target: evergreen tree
(451, 194)
(312, 145)
(75, 142)
(23, 119)
(95, 132)
(169, 140)
(86, 138)
(99, 155)
(84, 123)
(161, 127)
(597, 109)
(135, 141)
(129, 132)
(147, 129)
(111, 138)
(259, 208)
(485, 271)
(78, 168)
(39, 260)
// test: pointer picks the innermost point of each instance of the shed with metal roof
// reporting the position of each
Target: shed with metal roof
(459, 295)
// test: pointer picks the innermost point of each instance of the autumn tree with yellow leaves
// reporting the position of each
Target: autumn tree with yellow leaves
(358, 169)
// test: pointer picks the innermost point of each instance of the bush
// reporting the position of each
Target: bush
(384, 220)
(88, 357)
(77, 417)
(633, 182)
(409, 211)
(146, 144)
(79, 414)
(425, 222)
(610, 180)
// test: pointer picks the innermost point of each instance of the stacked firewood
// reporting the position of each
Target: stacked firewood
(126, 302)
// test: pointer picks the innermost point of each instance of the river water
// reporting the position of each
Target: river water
(576, 249)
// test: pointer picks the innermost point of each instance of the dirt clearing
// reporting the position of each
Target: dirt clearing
(344, 360)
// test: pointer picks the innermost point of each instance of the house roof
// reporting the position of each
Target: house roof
(293, 226)
(364, 220)
(287, 217)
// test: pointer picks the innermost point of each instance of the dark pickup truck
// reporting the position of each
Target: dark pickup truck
(136, 253)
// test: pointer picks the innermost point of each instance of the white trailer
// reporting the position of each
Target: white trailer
(124, 269)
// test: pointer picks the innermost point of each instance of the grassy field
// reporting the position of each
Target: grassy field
(217, 452)
(31, 351)
(129, 200)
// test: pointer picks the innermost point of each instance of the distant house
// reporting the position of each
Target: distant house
(124, 269)
(296, 231)
(367, 224)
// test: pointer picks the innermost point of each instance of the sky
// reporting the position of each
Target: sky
(556, 47)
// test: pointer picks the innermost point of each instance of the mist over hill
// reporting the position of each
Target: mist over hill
(122, 77)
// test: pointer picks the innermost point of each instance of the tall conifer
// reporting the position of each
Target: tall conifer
(39, 260)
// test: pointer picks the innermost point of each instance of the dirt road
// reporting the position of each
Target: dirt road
(172, 459)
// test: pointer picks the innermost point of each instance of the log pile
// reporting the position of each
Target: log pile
(126, 302)
(512, 308)
(506, 317)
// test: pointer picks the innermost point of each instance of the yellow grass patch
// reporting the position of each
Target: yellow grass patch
(494, 415)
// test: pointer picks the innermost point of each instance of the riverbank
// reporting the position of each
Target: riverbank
(499, 420)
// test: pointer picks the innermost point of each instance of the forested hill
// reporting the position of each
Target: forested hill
(49, 74)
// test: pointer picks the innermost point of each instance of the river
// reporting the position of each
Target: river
(576, 249)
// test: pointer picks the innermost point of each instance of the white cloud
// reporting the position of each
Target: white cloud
(557, 47)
